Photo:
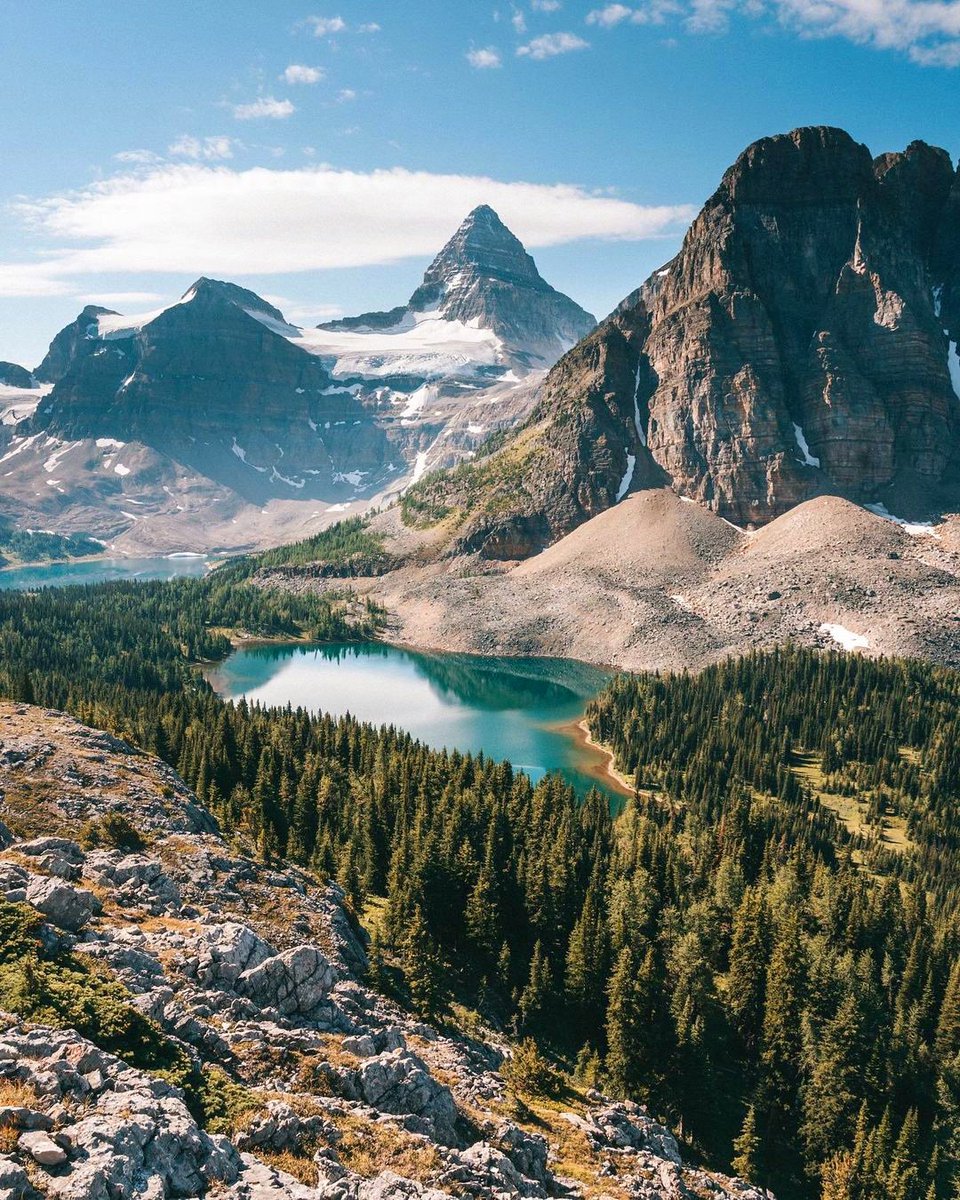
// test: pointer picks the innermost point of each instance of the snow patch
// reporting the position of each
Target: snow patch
(845, 637)
(422, 344)
(242, 455)
(120, 469)
(953, 366)
(641, 432)
(51, 463)
(354, 478)
(627, 477)
(808, 460)
(109, 444)
(420, 466)
(914, 528)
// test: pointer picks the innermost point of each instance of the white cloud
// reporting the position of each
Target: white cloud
(518, 21)
(927, 31)
(612, 15)
(369, 27)
(484, 59)
(546, 5)
(211, 149)
(345, 95)
(264, 107)
(298, 73)
(172, 219)
(32, 279)
(322, 26)
(549, 45)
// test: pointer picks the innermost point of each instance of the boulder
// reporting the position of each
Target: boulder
(14, 1182)
(400, 1082)
(15, 1116)
(42, 1149)
(63, 847)
(67, 906)
(228, 951)
(296, 983)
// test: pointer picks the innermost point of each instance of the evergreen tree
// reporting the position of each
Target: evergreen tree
(746, 1148)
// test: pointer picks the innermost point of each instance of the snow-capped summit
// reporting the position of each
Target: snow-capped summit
(484, 278)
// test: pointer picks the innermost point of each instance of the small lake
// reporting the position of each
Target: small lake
(521, 709)
(101, 570)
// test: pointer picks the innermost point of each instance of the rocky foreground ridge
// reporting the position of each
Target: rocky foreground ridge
(250, 978)
(802, 342)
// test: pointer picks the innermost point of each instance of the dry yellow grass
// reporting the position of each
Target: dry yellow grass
(300, 1166)
(367, 1148)
(851, 811)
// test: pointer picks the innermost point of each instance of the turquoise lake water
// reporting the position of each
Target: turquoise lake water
(100, 570)
(521, 709)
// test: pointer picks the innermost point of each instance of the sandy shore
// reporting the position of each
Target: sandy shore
(597, 760)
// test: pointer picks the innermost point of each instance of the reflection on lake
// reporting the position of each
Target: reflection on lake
(521, 709)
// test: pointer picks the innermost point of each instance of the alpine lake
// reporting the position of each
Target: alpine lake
(526, 710)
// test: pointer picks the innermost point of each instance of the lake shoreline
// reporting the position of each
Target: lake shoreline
(579, 732)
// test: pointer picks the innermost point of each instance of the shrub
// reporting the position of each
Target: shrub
(531, 1071)
(113, 830)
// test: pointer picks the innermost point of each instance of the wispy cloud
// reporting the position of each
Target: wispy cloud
(546, 6)
(265, 107)
(345, 95)
(211, 149)
(518, 21)
(172, 219)
(927, 31)
(486, 58)
(298, 73)
(138, 157)
(324, 26)
(369, 27)
(549, 45)
(613, 14)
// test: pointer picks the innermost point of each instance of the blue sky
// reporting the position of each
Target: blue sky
(320, 154)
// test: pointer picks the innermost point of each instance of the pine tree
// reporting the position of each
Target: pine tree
(781, 1041)
(536, 998)
(423, 968)
(746, 981)
(903, 1175)
(746, 1148)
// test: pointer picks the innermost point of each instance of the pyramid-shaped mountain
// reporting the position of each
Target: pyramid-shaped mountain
(484, 278)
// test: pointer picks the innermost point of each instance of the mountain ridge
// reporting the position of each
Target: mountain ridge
(215, 406)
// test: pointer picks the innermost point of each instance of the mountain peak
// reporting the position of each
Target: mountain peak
(212, 291)
(483, 244)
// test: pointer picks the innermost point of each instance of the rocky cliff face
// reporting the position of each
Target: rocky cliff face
(249, 977)
(803, 341)
(15, 376)
(208, 384)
